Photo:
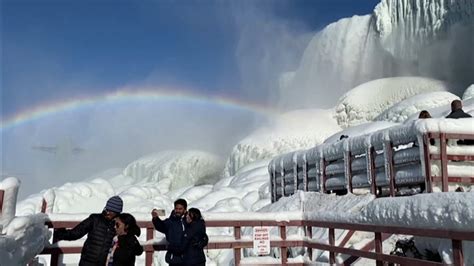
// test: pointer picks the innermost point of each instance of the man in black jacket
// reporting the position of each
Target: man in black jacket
(456, 110)
(100, 230)
(173, 228)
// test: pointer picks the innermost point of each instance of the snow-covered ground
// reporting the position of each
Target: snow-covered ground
(240, 187)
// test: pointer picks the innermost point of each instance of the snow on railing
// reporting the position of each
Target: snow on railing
(8, 196)
(282, 241)
(388, 159)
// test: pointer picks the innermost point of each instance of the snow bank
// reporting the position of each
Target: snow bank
(69, 198)
(300, 129)
(365, 102)
(183, 168)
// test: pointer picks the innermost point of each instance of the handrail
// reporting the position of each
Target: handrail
(456, 237)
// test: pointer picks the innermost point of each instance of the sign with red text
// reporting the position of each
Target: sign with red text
(261, 240)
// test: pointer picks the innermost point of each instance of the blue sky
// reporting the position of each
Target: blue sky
(54, 50)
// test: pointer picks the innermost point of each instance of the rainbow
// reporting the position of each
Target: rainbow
(124, 96)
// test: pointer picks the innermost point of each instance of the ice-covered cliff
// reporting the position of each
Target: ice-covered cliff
(183, 168)
(430, 38)
(405, 27)
(299, 129)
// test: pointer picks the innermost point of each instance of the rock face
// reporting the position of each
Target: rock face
(401, 38)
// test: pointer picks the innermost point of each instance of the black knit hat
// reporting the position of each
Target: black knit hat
(114, 204)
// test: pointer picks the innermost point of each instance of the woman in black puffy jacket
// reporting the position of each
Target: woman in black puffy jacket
(195, 238)
(125, 245)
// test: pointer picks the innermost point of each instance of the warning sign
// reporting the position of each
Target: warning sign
(261, 240)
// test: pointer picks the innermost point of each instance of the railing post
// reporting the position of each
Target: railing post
(444, 162)
(427, 157)
(283, 248)
(149, 253)
(237, 251)
(2, 194)
(305, 173)
(348, 169)
(323, 173)
(332, 243)
(373, 175)
(457, 252)
(273, 182)
(309, 230)
(55, 256)
(282, 172)
(378, 246)
(391, 169)
(295, 172)
(44, 204)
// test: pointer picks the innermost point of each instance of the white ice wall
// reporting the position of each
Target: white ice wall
(429, 38)
(406, 26)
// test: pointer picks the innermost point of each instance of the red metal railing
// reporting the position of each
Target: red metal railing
(2, 194)
(444, 159)
(237, 244)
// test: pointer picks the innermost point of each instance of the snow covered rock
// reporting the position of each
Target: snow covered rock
(295, 130)
(367, 101)
(69, 198)
(468, 93)
(183, 168)
(401, 111)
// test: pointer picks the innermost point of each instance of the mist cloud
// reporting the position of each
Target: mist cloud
(113, 135)
(268, 46)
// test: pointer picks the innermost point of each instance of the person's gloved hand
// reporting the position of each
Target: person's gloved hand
(59, 233)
